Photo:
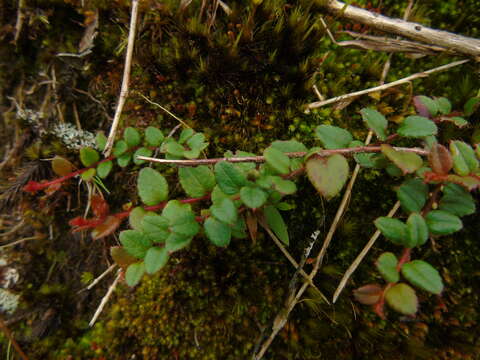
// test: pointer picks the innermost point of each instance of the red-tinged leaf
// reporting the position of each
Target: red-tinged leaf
(328, 174)
(440, 159)
(408, 162)
(252, 225)
(369, 294)
(106, 228)
(470, 182)
(421, 105)
(121, 257)
(99, 206)
(61, 166)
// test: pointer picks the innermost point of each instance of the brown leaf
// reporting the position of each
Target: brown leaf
(369, 294)
(440, 159)
(110, 224)
(121, 257)
(252, 225)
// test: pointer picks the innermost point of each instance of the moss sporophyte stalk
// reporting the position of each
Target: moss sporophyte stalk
(223, 191)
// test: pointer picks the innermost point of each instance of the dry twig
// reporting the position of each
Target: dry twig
(105, 298)
(125, 80)
(418, 75)
(360, 256)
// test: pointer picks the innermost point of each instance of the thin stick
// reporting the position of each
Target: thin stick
(36, 237)
(105, 298)
(360, 256)
(166, 110)
(125, 80)
(10, 337)
(459, 43)
(299, 154)
(318, 104)
(100, 277)
(292, 261)
(20, 19)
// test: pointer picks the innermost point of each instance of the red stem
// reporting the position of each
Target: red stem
(404, 258)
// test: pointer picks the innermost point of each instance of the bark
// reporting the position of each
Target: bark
(415, 31)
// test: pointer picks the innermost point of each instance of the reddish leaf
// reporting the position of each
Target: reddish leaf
(421, 108)
(99, 206)
(51, 189)
(440, 159)
(110, 224)
(369, 294)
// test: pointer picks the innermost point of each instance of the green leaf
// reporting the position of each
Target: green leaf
(143, 151)
(217, 232)
(464, 159)
(153, 136)
(423, 275)
(155, 259)
(196, 181)
(387, 266)
(443, 223)
(62, 166)
(104, 168)
(286, 187)
(277, 160)
(177, 242)
(134, 273)
(408, 162)
(174, 148)
(197, 142)
(229, 178)
(88, 175)
(191, 154)
(131, 137)
(88, 156)
(244, 166)
(119, 148)
(375, 122)
(135, 243)
(288, 146)
(471, 106)
(181, 219)
(402, 298)
(393, 229)
(136, 216)
(413, 195)
(417, 230)
(253, 196)
(185, 135)
(444, 106)
(333, 137)
(417, 126)
(275, 222)
(239, 229)
(328, 174)
(152, 186)
(456, 200)
(100, 140)
(155, 227)
(225, 211)
(124, 160)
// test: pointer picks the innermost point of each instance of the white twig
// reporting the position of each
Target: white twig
(292, 261)
(165, 109)
(100, 277)
(422, 74)
(360, 256)
(105, 298)
(125, 80)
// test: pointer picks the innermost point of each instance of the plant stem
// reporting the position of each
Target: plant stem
(299, 154)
